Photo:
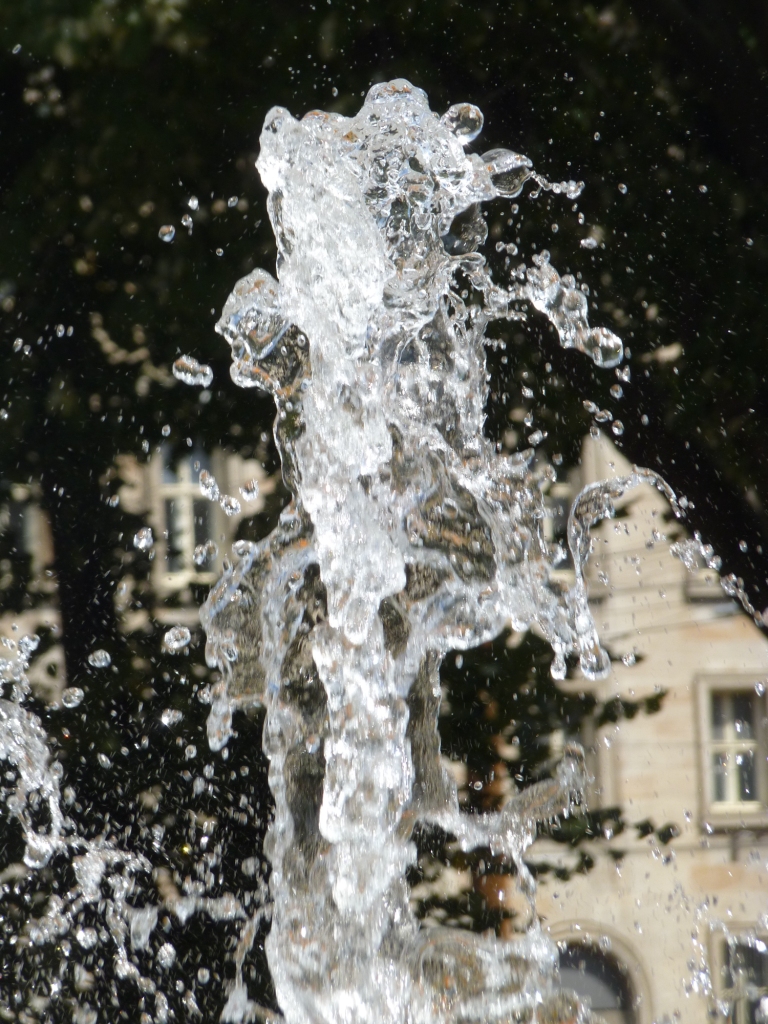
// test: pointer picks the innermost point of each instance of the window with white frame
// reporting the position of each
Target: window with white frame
(744, 978)
(732, 725)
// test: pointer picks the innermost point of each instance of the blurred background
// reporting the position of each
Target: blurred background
(121, 119)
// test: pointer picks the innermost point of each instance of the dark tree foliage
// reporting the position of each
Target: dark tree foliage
(114, 112)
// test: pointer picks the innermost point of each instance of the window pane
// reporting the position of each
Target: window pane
(175, 529)
(720, 709)
(170, 475)
(719, 777)
(745, 765)
(744, 716)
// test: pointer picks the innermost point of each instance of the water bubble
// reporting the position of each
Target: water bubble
(230, 505)
(232, 201)
(208, 486)
(144, 539)
(250, 490)
(177, 638)
(72, 696)
(100, 658)
(623, 189)
(189, 371)
(243, 548)
(166, 956)
(166, 233)
(204, 552)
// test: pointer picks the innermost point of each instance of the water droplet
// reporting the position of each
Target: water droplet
(113, 500)
(204, 552)
(144, 539)
(166, 956)
(190, 751)
(100, 658)
(193, 202)
(166, 430)
(334, 91)
(629, 659)
(203, 975)
(208, 486)
(219, 252)
(60, 330)
(166, 233)
(459, 660)
(171, 717)
(617, 427)
(230, 505)
(17, 48)
(703, 188)
(465, 121)
(588, 243)
(743, 546)
(104, 761)
(250, 490)
(596, 136)
(87, 937)
(232, 201)
(555, 228)
(17, 344)
(189, 371)
(623, 189)
(617, 391)
(760, 689)
(177, 638)
(72, 696)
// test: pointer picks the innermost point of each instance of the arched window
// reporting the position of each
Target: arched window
(599, 979)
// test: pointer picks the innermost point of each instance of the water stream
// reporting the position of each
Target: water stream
(409, 535)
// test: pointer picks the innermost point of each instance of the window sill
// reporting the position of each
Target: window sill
(732, 817)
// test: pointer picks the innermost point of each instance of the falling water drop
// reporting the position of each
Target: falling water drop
(100, 658)
(166, 233)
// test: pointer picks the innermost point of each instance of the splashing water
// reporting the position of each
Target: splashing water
(407, 536)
